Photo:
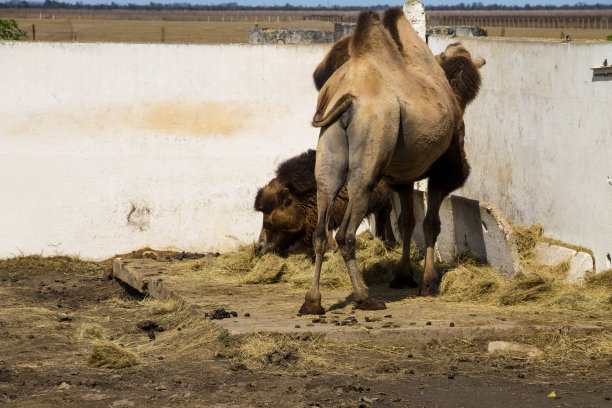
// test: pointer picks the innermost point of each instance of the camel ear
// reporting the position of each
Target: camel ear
(478, 62)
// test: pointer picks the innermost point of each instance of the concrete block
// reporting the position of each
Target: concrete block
(469, 226)
(548, 254)
(480, 228)
(580, 262)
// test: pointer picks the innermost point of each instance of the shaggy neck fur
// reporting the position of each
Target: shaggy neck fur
(463, 77)
(297, 173)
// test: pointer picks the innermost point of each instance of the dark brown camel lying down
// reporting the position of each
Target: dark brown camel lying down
(289, 207)
(388, 110)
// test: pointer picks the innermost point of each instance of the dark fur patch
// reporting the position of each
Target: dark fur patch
(334, 59)
(380, 199)
(362, 35)
(390, 19)
(298, 173)
(452, 169)
(463, 77)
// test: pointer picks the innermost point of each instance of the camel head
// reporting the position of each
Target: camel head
(461, 71)
(282, 223)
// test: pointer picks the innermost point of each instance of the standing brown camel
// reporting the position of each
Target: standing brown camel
(387, 111)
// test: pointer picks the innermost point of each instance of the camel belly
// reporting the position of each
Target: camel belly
(415, 153)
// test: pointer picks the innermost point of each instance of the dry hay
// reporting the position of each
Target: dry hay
(161, 307)
(23, 266)
(464, 280)
(559, 348)
(538, 286)
(376, 260)
(276, 349)
(105, 354)
(91, 331)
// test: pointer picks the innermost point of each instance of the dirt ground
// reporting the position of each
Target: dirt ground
(54, 311)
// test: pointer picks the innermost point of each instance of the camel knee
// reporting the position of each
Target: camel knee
(431, 228)
(319, 239)
(346, 243)
(407, 220)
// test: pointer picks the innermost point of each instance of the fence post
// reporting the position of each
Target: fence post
(33, 32)
(163, 34)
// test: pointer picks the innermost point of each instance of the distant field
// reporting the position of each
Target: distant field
(203, 27)
(550, 33)
(150, 31)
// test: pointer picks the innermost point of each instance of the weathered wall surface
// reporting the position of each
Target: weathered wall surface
(539, 137)
(106, 148)
(289, 36)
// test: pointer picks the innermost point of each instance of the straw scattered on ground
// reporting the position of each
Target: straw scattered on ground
(376, 260)
(282, 350)
(91, 331)
(539, 285)
(467, 279)
(105, 354)
(20, 266)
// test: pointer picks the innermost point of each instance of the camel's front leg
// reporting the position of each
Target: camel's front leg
(448, 173)
(431, 230)
(330, 172)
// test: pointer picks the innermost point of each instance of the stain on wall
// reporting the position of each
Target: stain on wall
(204, 117)
(139, 217)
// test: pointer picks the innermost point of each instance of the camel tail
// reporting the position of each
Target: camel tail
(343, 104)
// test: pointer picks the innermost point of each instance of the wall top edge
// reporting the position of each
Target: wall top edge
(524, 40)
(98, 43)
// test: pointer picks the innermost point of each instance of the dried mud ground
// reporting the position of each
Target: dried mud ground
(54, 312)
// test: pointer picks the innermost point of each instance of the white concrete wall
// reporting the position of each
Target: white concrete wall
(539, 137)
(106, 148)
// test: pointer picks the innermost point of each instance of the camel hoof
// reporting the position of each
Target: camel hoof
(401, 282)
(432, 289)
(371, 304)
(312, 308)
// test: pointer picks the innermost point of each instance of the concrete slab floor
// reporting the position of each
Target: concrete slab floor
(407, 319)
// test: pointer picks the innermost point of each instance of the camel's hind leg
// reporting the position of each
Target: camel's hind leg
(403, 275)
(448, 173)
(371, 140)
(330, 172)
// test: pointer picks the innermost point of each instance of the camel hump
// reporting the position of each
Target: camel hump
(390, 21)
(334, 59)
(369, 35)
(321, 119)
